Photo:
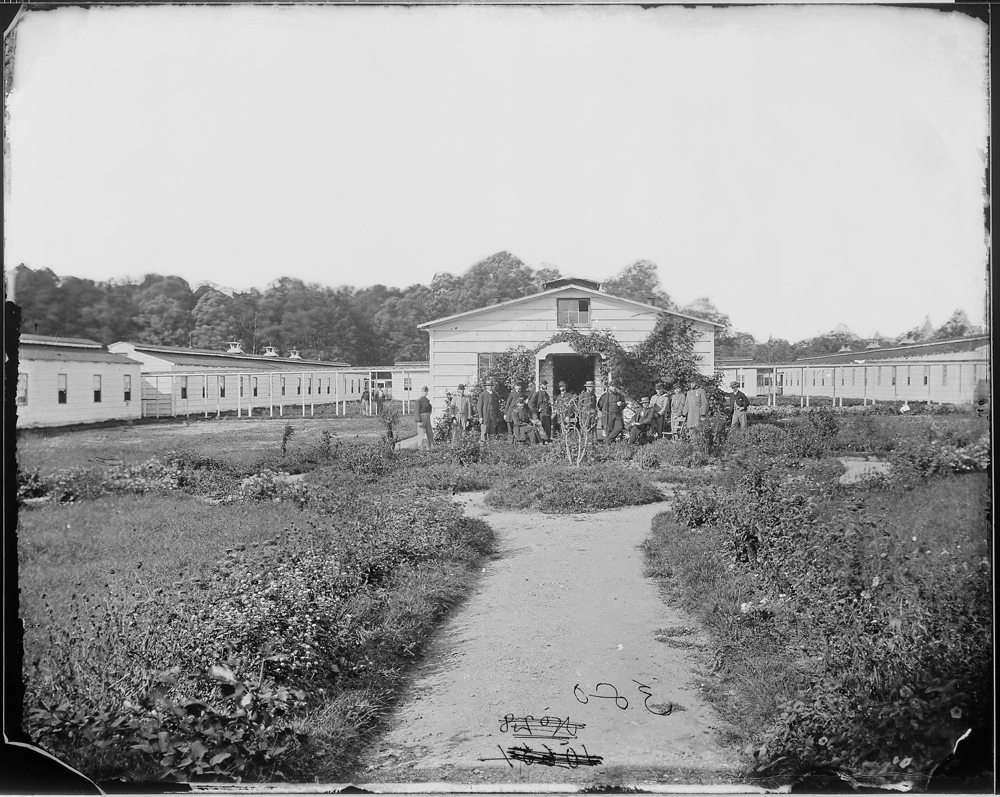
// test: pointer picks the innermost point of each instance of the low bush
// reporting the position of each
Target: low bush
(571, 489)
(304, 608)
(852, 626)
(915, 459)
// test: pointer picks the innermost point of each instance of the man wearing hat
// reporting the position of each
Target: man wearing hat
(540, 407)
(695, 404)
(738, 404)
(488, 410)
(564, 409)
(643, 422)
(588, 405)
(513, 397)
(677, 409)
(461, 414)
(661, 410)
(611, 404)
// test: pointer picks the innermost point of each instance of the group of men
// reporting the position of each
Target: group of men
(536, 418)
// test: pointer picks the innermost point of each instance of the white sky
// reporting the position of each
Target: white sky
(800, 166)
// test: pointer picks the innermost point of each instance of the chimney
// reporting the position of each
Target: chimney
(650, 300)
(270, 351)
(235, 347)
(294, 355)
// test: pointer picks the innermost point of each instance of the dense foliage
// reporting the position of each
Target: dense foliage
(852, 624)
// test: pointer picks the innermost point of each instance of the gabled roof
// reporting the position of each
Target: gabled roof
(79, 354)
(48, 340)
(895, 353)
(180, 355)
(575, 287)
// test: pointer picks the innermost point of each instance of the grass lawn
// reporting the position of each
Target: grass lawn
(233, 440)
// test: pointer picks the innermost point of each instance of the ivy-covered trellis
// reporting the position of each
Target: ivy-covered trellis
(666, 354)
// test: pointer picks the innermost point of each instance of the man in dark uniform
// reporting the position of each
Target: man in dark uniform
(513, 398)
(738, 404)
(540, 405)
(611, 404)
(661, 408)
(643, 423)
(488, 410)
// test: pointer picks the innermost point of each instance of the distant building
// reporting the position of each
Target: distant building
(177, 380)
(945, 372)
(462, 345)
(64, 381)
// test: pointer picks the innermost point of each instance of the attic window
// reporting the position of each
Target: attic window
(573, 312)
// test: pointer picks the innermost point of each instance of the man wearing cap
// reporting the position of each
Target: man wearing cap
(540, 407)
(461, 413)
(513, 397)
(611, 404)
(661, 410)
(488, 410)
(738, 404)
(643, 422)
(588, 406)
(564, 409)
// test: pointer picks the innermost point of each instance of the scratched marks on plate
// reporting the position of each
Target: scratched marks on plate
(551, 736)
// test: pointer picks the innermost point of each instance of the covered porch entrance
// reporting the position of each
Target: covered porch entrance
(559, 362)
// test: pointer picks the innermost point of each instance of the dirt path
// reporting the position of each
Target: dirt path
(565, 607)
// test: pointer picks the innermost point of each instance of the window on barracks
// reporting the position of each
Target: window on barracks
(97, 388)
(573, 312)
(927, 374)
(128, 387)
(241, 387)
(944, 375)
(484, 364)
(894, 376)
(22, 389)
(255, 387)
(408, 383)
(184, 387)
(298, 386)
(62, 388)
(309, 386)
(222, 387)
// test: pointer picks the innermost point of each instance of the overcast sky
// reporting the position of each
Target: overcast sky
(800, 166)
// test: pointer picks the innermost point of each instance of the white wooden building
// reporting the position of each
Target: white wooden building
(182, 381)
(461, 345)
(942, 372)
(63, 381)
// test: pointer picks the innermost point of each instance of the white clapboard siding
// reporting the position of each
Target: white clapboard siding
(40, 380)
(455, 344)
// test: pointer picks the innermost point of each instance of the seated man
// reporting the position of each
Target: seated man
(643, 423)
(524, 429)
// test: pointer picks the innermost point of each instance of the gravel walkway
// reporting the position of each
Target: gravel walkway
(562, 622)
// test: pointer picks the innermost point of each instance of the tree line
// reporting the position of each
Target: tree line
(368, 326)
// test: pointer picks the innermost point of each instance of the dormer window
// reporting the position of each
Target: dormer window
(573, 312)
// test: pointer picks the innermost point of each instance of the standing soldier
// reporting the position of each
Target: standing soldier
(661, 408)
(488, 410)
(738, 404)
(461, 412)
(516, 395)
(588, 406)
(379, 400)
(611, 404)
(540, 405)
(564, 409)
(424, 417)
(695, 404)
(677, 413)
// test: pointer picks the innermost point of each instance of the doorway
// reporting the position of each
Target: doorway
(574, 370)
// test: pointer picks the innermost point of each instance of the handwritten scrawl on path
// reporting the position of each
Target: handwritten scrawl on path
(561, 732)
